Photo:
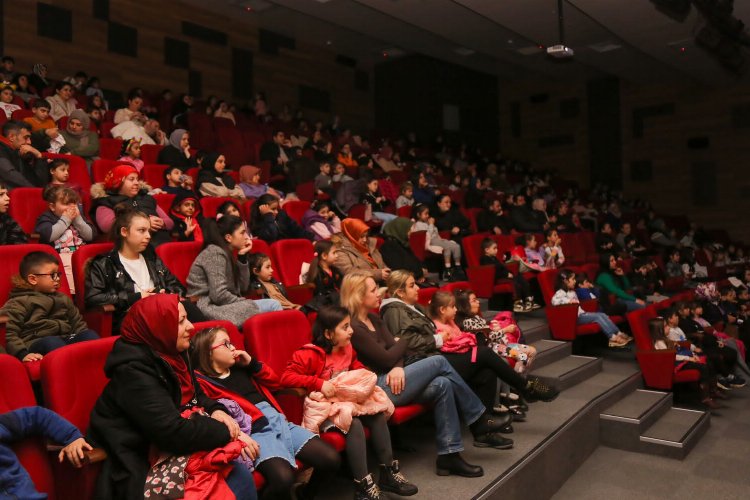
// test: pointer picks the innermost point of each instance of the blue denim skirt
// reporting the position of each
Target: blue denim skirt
(279, 438)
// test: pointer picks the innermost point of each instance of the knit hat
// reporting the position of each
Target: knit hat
(114, 178)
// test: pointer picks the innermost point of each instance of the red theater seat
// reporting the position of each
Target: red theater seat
(98, 318)
(101, 167)
(15, 393)
(150, 153)
(153, 174)
(26, 205)
(287, 257)
(211, 204)
(178, 256)
(296, 209)
(109, 149)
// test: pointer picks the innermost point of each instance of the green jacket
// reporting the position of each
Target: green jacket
(608, 282)
(35, 315)
(412, 327)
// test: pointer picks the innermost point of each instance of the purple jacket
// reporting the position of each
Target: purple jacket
(311, 217)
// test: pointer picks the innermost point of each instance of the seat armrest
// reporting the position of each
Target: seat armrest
(562, 321)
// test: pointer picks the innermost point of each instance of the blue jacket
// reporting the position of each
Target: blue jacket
(16, 425)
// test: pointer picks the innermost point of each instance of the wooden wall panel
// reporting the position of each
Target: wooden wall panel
(279, 76)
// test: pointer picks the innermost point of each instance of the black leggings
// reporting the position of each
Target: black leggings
(280, 476)
(356, 444)
(483, 374)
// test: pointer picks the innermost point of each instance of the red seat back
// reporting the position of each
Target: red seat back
(73, 378)
(638, 321)
(210, 205)
(296, 209)
(178, 256)
(79, 261)
(153, 175)
(16, 392)
(260, 246)
(547, 281)
(109, 149)
(472, 247)
(79, 172)
(164, 200)
(417, 242)
(20, 114)
(26, 205)
(288, 256)
(404, 211)
(306, 191)
(273, 337)
(357, 211)
(150, 153)
(471, 214)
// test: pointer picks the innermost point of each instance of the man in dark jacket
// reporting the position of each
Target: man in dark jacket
(20, 163)
(275, 150)
(449, 218)
(492, 220)
(523, 218)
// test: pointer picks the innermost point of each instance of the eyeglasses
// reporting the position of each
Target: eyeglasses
(226, 344)
(53, 276)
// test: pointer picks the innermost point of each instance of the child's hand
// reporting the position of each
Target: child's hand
(328, 389)
(242, 358)
(190, 226)
(32, 356)
(147, 293)
(251, 449)
(74, 452)
(431, 221)
(455, 230)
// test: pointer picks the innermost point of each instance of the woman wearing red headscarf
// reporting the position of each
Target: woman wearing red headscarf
(357, 251)
(139, 413)
(121, 185)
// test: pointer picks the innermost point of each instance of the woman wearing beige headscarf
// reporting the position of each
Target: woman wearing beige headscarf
(79, 139)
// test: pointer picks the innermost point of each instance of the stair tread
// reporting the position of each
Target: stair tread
(543, 346)
(674, 425)
(564, 365)
(636, 404)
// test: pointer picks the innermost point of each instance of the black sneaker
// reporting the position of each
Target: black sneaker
(723, 383)
(536, 390)
(493, 440)
(366, 489)
(735, 381)
(392, 480)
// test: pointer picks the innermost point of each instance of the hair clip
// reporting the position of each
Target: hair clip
(315, 254)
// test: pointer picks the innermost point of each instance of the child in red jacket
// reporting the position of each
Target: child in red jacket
(312, 367)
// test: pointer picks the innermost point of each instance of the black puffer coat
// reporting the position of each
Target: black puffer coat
(140, 407)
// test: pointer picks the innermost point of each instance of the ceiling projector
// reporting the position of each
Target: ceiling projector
(560, 51)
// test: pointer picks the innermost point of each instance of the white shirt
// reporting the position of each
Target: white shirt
(138, 272)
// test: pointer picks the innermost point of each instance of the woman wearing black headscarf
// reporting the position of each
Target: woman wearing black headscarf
(214, 181)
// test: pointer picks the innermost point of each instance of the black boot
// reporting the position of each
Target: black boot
(454, 464)
(487, 423)
(392, 480)
(447, 274)
(493, 440)
(536, 390)
(366, 489)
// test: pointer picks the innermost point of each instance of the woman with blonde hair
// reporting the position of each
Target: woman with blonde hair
(408, 379)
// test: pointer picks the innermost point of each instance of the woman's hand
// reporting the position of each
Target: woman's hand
(396, 380)
(264, 209)
(455, 230)
(147, 293)
(74, 452)
(32, 356)
(242, 358)
(385, 272)
(156, 222)
(232, 426)
(246, 249)
(619, 271)
(251, 449)
(640, 301)
(328, 389)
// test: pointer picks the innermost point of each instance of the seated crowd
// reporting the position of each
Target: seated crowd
(185, 393)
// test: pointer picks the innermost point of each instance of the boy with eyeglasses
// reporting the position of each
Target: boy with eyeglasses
(40, 318)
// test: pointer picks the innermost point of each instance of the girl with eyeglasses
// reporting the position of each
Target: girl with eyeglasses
(244, 385)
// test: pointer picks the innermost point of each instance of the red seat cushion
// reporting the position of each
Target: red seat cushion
(34, 370)
(587, 329)
(406, 413)
(686, 376)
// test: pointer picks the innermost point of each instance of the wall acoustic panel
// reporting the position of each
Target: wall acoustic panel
(176, 53)
(54, 22)
(640, 115)
(361, 80)
(101, 10)
(122, 39)
(242, 73)
(204, 33)
(270, 42)
(195, 83)
(705, 183)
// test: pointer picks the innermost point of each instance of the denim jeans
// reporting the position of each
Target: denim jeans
(49, 344)
(433, 380)
(268, 305)
(240, 481)
(600, 319)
